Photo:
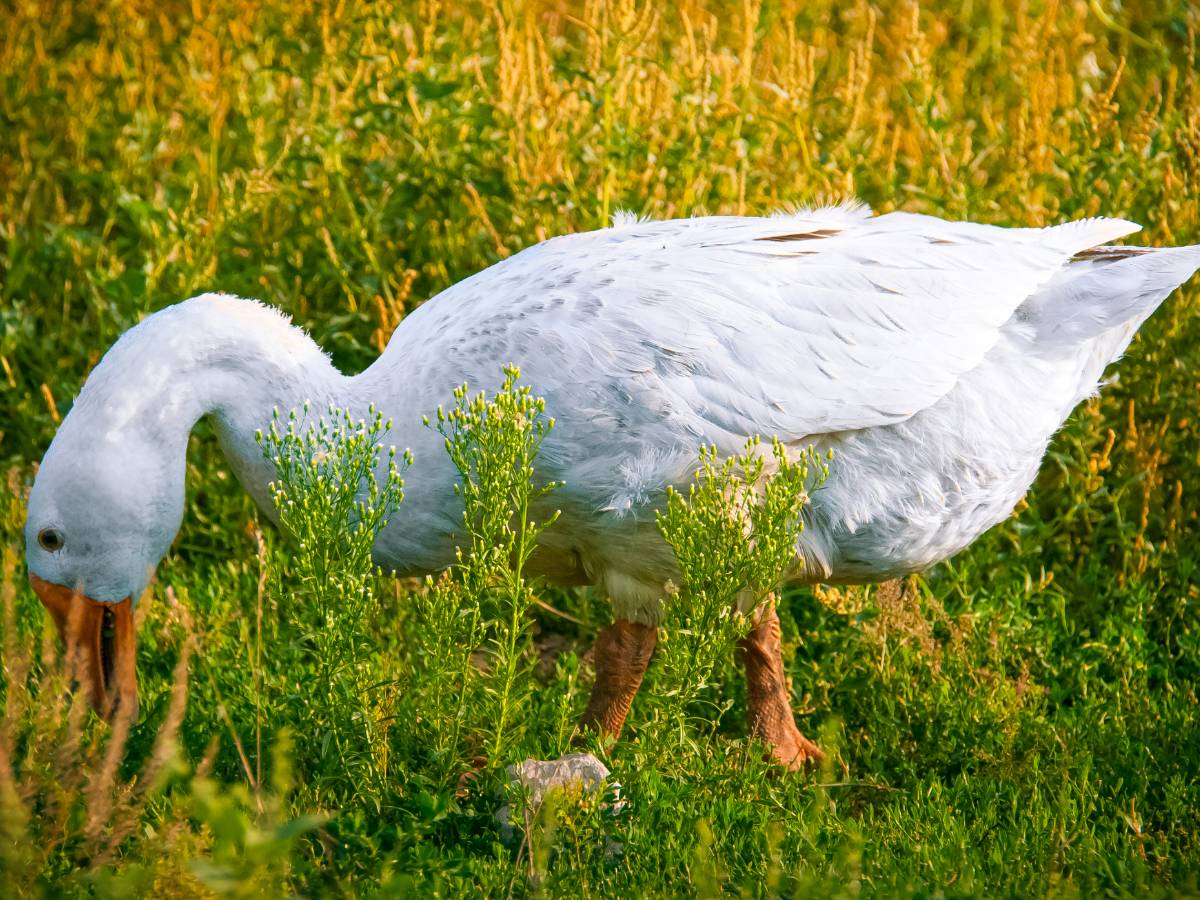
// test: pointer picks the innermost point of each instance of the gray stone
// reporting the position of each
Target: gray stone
(580, 773)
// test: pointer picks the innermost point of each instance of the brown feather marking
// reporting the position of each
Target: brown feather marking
(1109, 253)
(803, 235)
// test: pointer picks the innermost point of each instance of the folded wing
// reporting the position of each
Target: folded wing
(791, 325)
(807, 324)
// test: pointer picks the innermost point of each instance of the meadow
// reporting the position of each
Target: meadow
(1023, 720)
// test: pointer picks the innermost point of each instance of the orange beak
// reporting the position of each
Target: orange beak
(101, 645)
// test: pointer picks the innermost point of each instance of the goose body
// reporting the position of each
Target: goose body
(936, 359)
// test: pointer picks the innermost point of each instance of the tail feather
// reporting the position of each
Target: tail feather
(1105, 288)
(1073, 237)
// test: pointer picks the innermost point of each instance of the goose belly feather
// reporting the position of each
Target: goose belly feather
(903, 497)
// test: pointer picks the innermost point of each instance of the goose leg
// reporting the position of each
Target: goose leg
(622, 652)
(770, 706)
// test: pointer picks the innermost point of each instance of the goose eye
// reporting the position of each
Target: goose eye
(51, 539)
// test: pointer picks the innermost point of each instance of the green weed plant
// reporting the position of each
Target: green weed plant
(334, 491)
(493, 444)
(734, 534)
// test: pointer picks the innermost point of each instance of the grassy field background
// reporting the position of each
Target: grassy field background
(1023, 720)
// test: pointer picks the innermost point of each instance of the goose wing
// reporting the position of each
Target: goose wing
(801, 325)
(791, 325)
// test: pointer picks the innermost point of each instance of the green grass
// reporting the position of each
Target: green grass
(1023, 720)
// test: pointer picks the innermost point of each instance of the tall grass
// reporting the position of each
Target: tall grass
(330, 502)
(1023, 720)
(734, 536)
(493, 444)
(71, 806)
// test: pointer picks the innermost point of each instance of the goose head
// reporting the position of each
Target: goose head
(108, 498)
(102, 513)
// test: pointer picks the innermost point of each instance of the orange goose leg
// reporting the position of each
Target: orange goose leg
(622, 652)
(770, 705)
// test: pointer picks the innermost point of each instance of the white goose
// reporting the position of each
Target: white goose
(936, 358)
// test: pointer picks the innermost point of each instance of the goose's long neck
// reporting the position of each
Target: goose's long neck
(233, 360)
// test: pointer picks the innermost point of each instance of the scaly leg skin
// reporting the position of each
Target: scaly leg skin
(622, 653)
(770, 706)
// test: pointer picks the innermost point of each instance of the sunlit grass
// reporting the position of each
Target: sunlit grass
(1023, 720)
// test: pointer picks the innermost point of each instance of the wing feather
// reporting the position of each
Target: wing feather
(719, 328)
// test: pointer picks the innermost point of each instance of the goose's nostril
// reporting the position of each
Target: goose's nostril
(108, 640)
